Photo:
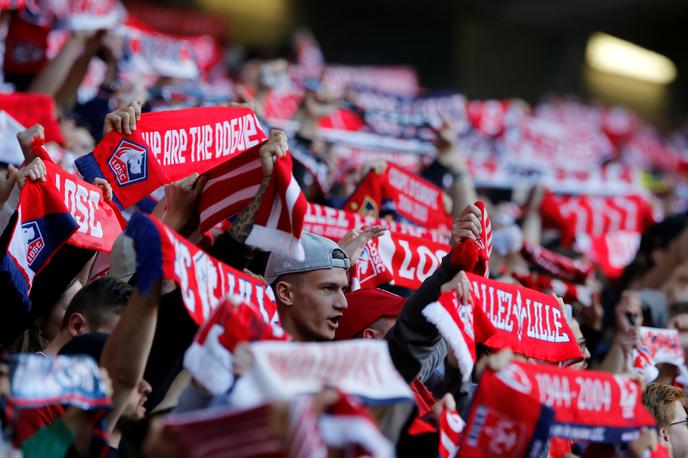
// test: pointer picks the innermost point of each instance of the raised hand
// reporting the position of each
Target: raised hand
(275, 147)
(467, 225)
(123, 120)
(354, 241)
(25, 139)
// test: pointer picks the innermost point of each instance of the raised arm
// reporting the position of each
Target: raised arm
(413, 338)
(127, 349)
(230, 246)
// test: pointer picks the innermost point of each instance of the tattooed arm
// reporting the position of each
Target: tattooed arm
(275, 147)
(243, 226)
(230, 247)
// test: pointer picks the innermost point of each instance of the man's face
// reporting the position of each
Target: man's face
(678, 433)
(317, 303)
(134, 410)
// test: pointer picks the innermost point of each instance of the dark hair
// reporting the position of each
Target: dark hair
(658, 236)
(98, 301)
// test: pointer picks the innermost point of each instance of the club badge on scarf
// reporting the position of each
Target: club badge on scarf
(204, 281)
(588, 405)
(462, 326)
(527, 321)
(399, 192)
(99, 222)
(334, 223)
(347, 425)
(209, 358)
(30, 109)
(168, 146)
(505, 420)
(37, 381)
(400, 259)
(282, 370)
(42, 226)
(451, 426)
(279, 220)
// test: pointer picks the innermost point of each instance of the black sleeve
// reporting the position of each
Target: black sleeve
(413, 338)
(230, 251)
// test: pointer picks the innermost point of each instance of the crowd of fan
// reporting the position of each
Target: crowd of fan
(326, 119)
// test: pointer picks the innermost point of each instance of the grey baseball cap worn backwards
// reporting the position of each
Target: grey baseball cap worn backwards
(320, 253)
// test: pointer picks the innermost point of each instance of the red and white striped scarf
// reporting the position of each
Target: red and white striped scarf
(462, 326)
(280, 218)
(562, 267)
(349, 425)
(209, 358)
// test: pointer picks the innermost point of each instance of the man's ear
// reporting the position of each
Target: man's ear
(284, 293)
(77, 324)
(369, 333)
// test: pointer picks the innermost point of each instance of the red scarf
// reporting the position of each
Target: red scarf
(204, 282)
(527, 321)
(334, 224)
(279, 221)
(168, 146)
(474, 255)
(42, 226)
(150, 52)
(63, 209)
(570, 292)
(594, 215)
(488, 116)
(462, 326)
(247, 433)
(397, 191)
(505, 420)
(30, 109)
(562, 267)
(588, 405)
(209, 358)
(612, 252)
(451, 426)
(663, 345)
(282, 370)
(399, 259)
(99, 222)
(349, 425)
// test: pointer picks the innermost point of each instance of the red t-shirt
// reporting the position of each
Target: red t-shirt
(29, 421)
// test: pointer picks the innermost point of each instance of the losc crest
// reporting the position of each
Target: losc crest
(129, 162)
(34, 241)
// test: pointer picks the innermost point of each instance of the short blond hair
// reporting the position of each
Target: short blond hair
(657, 398)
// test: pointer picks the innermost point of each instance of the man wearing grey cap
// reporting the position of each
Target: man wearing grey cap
(310, 293)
